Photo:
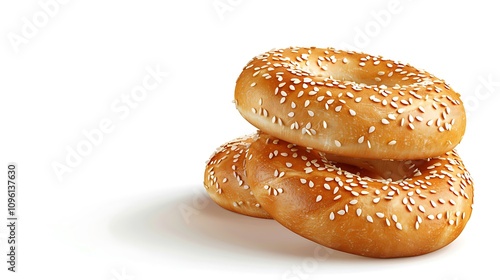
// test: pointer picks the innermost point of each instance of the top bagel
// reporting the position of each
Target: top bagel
(350, 104)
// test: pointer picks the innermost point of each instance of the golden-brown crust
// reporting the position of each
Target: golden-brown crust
(350, 104)
(225, 179)
(348, 211)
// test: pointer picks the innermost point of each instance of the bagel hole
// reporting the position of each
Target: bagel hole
(362, 76)
(359, 77)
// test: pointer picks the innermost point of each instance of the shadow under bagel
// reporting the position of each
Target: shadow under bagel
(209, 234)
(194, 221)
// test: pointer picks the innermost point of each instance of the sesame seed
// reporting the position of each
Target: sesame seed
(369, 219)
(359, 212)
(394, 218)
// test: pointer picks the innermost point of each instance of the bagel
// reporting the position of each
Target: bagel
(350, 104)
(225, 179)
(356, 209)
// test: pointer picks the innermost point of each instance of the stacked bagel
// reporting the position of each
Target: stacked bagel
(353, 151)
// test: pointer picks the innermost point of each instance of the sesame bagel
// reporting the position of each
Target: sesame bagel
(350, 104)
(356, 209)
(225, 179)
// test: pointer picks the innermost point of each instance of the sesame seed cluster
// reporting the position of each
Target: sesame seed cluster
(354, 152)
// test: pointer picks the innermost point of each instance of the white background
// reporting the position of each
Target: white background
(133, 206)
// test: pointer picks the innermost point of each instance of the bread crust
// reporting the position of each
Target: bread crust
(225, 179)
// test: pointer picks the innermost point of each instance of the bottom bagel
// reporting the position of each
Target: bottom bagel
(422, 207)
